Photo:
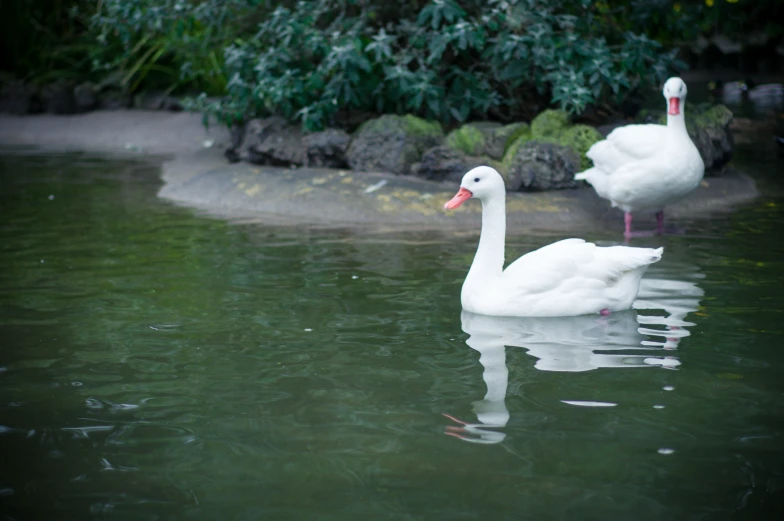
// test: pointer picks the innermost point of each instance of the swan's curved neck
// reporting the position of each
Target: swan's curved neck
(489, 259)
(678, 122)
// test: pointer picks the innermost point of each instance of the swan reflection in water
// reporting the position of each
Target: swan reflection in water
(629, 339)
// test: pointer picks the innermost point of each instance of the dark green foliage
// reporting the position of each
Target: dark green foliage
(170, 43)
(317, 60)
(449, 61)
(45, 40)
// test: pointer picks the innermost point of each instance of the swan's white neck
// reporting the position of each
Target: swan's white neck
(677, 122)
(489, 260)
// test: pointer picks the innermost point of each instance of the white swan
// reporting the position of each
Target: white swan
(647, 167)
(566, 278)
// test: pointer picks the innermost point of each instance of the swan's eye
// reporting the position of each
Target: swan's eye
(476, 179)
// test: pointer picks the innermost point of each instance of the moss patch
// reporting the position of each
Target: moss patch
(467, 139)
(411, 125)
(516, 130)
(549, 123)
(552, 126)
(716, 115)
(511, 150)
(422, 128)
(580, 138)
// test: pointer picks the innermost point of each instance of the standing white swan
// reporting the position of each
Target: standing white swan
(647, 167)
(566, 278)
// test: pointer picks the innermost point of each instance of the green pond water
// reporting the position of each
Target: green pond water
(160, 364)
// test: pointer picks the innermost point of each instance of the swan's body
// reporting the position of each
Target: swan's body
(647, 167)
(567, 278)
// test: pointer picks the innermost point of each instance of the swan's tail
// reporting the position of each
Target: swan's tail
(627, 258)
(598, 179)
(645, 256)
(583, 176)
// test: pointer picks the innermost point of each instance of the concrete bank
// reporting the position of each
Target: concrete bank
(195, 174)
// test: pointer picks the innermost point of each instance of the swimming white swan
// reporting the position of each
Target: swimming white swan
(647, 167)
(566, 278)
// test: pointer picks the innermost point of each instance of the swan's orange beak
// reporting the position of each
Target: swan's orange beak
(460, 197)
(675, 107)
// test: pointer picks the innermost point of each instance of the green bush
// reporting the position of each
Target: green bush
(170, 43)
(317, 60)
(46, 40)
(444, 60)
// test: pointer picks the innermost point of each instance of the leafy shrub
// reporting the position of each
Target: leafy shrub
(450, 61)
(171, 43)
(317, 60)
(46, 40)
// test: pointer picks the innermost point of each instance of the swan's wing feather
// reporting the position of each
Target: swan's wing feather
(574, 266)
(638, 141)
(546, 268)
(625, 145)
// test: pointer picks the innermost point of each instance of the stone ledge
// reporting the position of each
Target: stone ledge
(199, 177)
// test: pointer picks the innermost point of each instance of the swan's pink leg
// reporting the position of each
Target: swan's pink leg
(627, 219)
(605, 312)
(628, 234)
(660, 222)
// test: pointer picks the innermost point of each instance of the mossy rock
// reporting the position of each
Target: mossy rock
(552, 128)
(514, 145)
(510, 133)
(580, 138)
(422, 128)
(549, 123)
(713, 115)
(467, 139)
(444, 163)
(537, 166)
(411, 125)
(392, 143)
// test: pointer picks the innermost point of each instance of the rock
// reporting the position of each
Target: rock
(85, 96)
(114, 99)
(535, 165)
(392, 143)
(495, 138)
(157, 101)
(237, 134)
(552, 126)
(444, 163)
(58, 98)
(605, 129)
(549, 123)
(709, 128)
(17, 97)
(273, 141)
(710, 131)
(327, 148)
(503, 137)
(580, 138)
(467, 139)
